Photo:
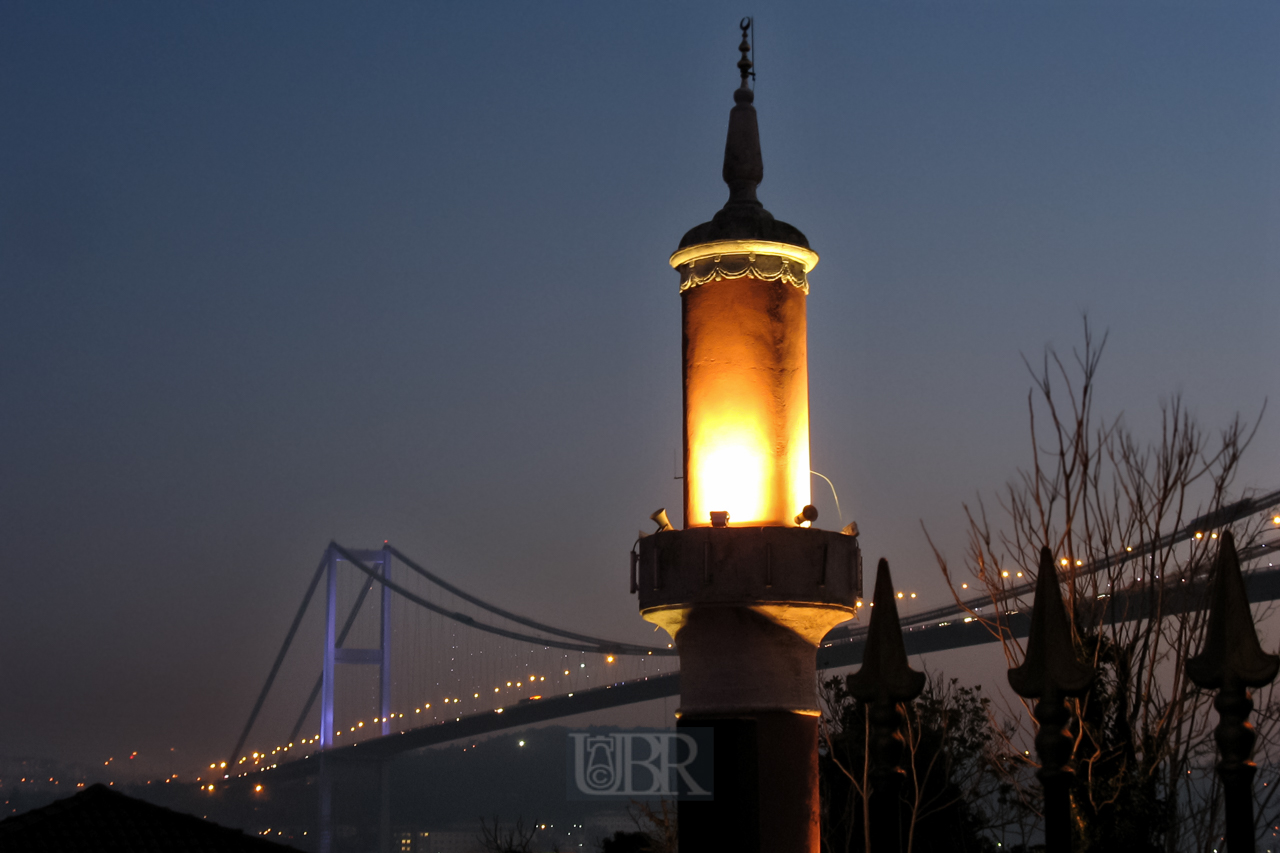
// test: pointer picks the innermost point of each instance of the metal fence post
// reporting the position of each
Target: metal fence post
(884, 681)
(1050, 673)
(1231, 661)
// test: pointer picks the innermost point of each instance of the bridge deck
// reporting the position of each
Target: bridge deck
(1262, 585)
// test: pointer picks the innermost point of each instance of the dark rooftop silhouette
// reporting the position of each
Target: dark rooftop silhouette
(100, 819)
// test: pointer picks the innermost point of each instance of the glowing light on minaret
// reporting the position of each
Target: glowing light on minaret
(744, 285)
(748, 597)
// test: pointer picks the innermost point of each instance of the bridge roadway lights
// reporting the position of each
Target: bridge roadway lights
(747, 608)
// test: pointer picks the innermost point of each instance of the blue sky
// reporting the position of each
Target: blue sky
(271, 275)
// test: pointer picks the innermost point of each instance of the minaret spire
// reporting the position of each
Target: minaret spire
(745, 590)
(743, 217)
(743, 163)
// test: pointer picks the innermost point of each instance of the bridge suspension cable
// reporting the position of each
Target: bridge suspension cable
(596, 645)
(319, 685)
(841, 647)
(275, 667)
(505, 614)
(559, 639)
(1219, 517)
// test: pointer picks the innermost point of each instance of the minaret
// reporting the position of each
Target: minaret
(743, 283)
(749, 587)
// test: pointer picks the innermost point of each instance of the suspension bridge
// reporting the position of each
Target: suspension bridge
(466, 667)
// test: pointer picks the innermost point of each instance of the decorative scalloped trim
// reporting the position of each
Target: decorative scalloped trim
(734, 266)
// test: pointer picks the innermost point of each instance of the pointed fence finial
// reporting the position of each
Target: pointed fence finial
(1051, 665)
(885, 675)
(885, 680)
(1231, 661)
(1050, 672)
(1231, 653)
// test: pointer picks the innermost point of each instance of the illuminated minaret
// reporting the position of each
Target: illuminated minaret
(748, 588)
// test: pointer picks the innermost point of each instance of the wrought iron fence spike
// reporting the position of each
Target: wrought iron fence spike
(1231, 650)
(1231, 661)
(885, 675)
(1050, 672)
(1051, 665)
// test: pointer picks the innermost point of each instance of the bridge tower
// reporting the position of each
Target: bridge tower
(335, 654)
(748, 588)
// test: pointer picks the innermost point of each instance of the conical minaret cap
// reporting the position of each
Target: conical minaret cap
(743, 217)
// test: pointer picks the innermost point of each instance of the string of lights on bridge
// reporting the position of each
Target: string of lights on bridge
(531, 687)
(447, 708)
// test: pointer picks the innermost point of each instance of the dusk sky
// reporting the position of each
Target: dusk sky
(275, 274)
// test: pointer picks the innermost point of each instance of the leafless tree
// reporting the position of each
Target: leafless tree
(499, 839)
(1108, 504)
(950, 788)
(658, 822)
(855, 768)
